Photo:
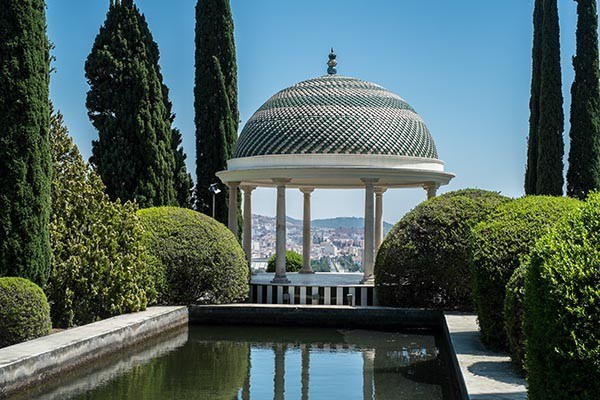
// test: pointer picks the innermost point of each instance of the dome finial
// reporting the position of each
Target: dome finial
(331, 64)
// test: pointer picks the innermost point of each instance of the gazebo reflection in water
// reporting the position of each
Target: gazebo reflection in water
(307, 363)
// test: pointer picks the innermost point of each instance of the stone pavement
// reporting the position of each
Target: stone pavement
(487, 375)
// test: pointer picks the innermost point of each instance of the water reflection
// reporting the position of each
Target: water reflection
(261, 363)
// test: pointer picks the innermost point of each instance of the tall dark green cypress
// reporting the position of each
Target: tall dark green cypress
(216, 111)
(534, 102)
(25, 158)
(134, 154)
(183, 180)
(550, 148)
(583, 175)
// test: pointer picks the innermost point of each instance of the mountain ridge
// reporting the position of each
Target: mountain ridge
(333, 223)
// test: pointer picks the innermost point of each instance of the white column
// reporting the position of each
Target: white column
(247, 238)
(280, 236)
(232, 220)
(368, 374)
(369, 234)
(306, 235)
(379, 217)
(431, 189)
(305, 377)
(279, 376)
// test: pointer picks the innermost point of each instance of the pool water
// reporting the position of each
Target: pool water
(243, 362)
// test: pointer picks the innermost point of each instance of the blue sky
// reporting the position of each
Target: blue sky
(464, 65)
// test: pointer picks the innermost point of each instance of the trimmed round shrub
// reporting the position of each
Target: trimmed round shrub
(562, 309)
(293, 262)
(199, 260)
(99, 264)
(425, 260)
(24, 311)
(513, 317)
(499, 245)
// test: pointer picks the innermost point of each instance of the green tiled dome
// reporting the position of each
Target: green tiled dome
(334, 114)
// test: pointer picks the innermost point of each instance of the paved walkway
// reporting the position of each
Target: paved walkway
(487, 375)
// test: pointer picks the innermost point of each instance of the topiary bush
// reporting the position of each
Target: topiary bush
(200, 260)
(425, 259)
(562, 309)
(293, 262)
(499, 245)
(99, 264)
(513, 317)
(24, 311)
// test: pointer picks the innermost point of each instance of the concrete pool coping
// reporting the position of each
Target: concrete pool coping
(487, 375)
(479, 374)
(27, 364)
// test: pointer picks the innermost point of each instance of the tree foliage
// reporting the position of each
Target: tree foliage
(215, 101)
(513, 317)
(534, 102)
(293, 262)
(99, 265)
(425, 260)
(544, 174)
(24, 311)
(25, 170)
(584, 156)
(183, 180)
(128, 104)
(551, 124)
(562, 305)
(500, 244)
(199, 259)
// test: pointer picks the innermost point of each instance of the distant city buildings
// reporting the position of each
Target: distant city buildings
(339, 245)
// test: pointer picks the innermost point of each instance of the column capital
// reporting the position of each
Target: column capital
(431, 189)
(307, 190)
(233, 185)
(281, 181)
(247, 188)
(380, 190)
(369, 181)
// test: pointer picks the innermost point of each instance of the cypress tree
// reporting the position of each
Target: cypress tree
(215, 150)
(550, 146)
(25, 160)
(584, 156)
(134, 153)
(534, 102)
(183, 180)
(215, 100)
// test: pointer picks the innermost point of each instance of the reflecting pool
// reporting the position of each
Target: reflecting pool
(242, 362)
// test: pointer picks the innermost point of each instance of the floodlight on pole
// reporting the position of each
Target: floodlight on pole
(214, 189)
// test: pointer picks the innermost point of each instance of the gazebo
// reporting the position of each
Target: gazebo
(331, 132)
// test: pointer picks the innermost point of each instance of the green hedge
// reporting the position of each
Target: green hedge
(24, 311)
(199, 260)
(499, 245)
(99, 265)
(293, 262)
(562, 309)
(513, 317)
(425, 260)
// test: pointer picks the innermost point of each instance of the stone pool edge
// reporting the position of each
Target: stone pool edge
(486, 374)
(33, 362)
(39, 360)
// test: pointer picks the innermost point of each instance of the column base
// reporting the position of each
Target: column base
(310, 271)
(367, 280)
(280, 279)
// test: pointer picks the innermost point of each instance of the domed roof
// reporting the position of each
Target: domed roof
(334, 114)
